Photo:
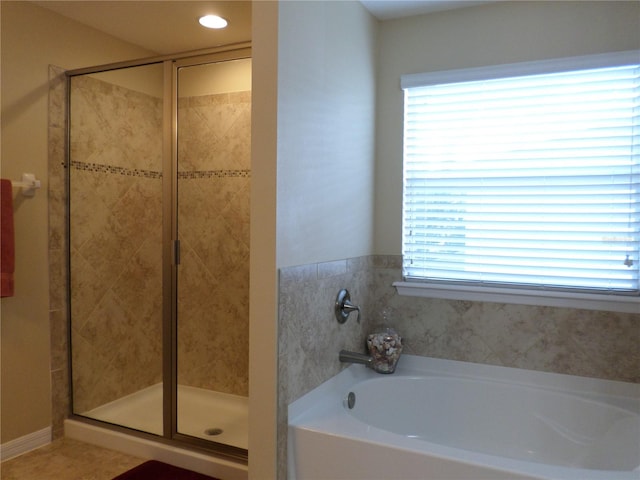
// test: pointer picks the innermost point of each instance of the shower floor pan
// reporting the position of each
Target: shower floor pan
(220, 417)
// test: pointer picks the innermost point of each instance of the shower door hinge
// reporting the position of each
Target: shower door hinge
(176, 252)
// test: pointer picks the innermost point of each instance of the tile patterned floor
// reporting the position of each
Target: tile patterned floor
(67, 459)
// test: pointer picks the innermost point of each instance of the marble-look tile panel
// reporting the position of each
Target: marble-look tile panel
(115, 354)
(139, 288)
(310, 337)
(561, 340)
(331, 269)
(59, 341)
(212, 347)
(56, 175)
(226, 121)
(58, 280)
(113, 125)
(57, 249)
(213, 206)
(60, 401)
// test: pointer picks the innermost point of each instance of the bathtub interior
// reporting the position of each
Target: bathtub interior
(496, 418)
(202, 413)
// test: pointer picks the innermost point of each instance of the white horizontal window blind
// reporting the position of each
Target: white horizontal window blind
(530, 180)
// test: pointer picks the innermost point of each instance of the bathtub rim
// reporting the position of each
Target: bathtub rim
(318, 411)
(618, 393)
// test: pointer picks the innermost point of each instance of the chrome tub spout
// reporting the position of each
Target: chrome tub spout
(354, 357)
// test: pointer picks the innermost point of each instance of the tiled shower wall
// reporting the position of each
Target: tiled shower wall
(115, 241)
(561, 340)
(211, 195)
(214, 160)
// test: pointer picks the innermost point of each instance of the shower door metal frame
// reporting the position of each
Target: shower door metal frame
(217, 57)
(170, 246)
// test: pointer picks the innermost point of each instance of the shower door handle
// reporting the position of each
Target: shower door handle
(176, 252)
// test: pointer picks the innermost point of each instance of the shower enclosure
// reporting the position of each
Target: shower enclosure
(158, 191)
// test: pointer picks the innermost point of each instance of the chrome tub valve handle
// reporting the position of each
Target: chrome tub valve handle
(344, 307)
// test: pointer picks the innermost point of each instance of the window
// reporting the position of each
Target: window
(525, 176)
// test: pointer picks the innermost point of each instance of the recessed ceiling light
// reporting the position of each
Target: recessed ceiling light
(213, 21)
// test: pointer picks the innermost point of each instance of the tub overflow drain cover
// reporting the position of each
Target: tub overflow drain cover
(351, 400)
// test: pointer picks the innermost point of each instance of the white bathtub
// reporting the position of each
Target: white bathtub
(441, 419)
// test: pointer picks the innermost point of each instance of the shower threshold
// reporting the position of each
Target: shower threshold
(220, 417)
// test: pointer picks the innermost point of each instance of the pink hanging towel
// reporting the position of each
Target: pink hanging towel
(7, 239)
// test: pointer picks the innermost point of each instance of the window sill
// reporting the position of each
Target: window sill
(610, 303)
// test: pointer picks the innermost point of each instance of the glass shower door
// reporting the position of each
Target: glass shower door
(213, 145)
(115, 246)
(159, 182)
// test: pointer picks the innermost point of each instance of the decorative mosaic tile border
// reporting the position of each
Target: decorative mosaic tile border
(129, 172)
(213, 174)
(135, 172)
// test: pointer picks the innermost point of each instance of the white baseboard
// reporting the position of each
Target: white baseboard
(25, 444)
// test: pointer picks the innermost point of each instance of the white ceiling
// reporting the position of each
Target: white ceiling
(389, 9)
(170, 26)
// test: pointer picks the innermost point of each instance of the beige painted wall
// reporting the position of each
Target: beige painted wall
(326, 112)
(32, 38)
(147, 79)
(312, 169)
(212, 78)
(263, 288)
(504, 32)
